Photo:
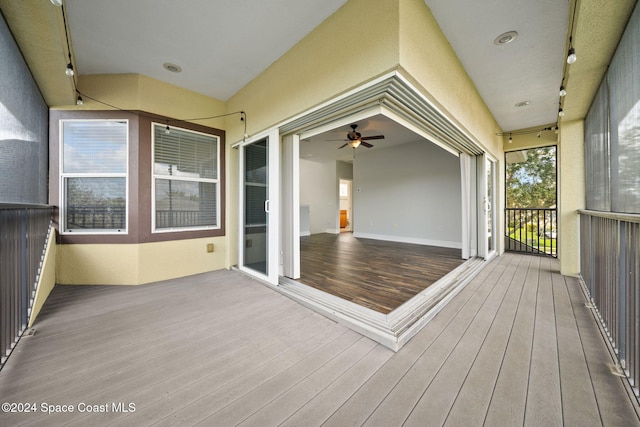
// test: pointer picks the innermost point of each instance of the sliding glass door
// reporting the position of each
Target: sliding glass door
(487, 219)
(258, 206)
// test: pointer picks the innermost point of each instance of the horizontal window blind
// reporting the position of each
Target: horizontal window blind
(185, 179)
(189, 154)
(94, 147)
(94, 175)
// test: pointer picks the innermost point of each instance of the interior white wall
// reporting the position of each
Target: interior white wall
(344, 170)
(319, 191)
(410, 193)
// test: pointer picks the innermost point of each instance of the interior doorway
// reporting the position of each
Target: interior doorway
(346, 206)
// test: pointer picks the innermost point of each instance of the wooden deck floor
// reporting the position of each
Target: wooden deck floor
(517, 346)
(376, 274)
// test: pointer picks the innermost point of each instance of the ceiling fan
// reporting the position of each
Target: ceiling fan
(355, 139)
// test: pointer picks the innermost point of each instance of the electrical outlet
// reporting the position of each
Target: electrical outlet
(209, 247)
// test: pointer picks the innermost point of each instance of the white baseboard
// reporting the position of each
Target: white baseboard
(413, 240)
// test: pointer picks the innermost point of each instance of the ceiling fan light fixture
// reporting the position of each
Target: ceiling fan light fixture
(354, 143)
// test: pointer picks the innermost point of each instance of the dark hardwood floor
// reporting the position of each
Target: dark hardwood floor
(376, 274)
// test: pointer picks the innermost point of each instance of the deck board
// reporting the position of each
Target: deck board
(613, 412)
(394, 391)
(517, 345)
(438, 398)
(574, 373)
(513, 379)
(474, 397)
(318, 410)
(282, 406)
(544, 396)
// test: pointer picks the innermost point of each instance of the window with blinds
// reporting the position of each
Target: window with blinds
(94, 176)
(185, 179)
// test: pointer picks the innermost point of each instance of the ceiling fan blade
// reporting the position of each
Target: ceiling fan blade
(343, 145)
(366, 144)
(365, 138)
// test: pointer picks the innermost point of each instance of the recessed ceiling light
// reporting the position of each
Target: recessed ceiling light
(172, 67)
(523, 103)
(505, 38)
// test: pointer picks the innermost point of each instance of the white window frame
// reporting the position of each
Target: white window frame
(64, 176)
(155, 176)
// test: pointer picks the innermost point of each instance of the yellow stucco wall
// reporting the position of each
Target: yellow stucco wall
(358, 42)
(428, 58)
(47, 279)
(139, 92)
(134, 264)
(571, 195)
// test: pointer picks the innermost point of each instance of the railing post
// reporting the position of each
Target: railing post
(622, 305)
(24, 276)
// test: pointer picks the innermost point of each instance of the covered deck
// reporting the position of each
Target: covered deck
(518, 346)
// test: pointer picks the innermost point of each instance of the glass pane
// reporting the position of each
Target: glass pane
(185, 204)
(256, 194)
(95, 204)
(255, 197)
(256, 163)
(490, 236)
(184, 153)
(94, 147)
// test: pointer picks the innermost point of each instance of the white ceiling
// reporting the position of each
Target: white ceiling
(527, 69)
(222, 45)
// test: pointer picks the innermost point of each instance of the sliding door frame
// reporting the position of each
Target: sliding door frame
(272, 206)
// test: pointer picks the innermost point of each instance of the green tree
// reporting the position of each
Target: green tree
(531, 178)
